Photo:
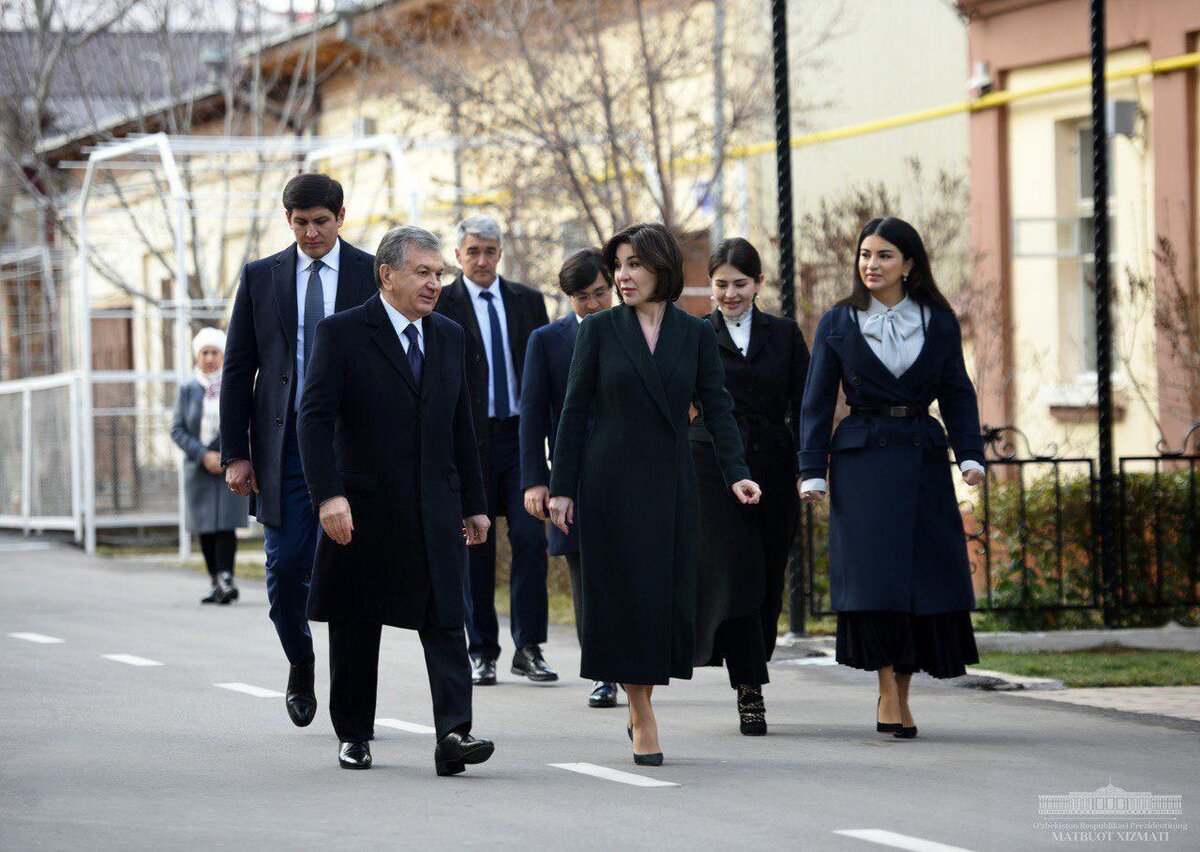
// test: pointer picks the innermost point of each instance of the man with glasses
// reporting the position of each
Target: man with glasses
(543, 388)
(498, 316)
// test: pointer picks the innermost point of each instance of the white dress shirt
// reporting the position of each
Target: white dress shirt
(485, 330)
(896, 335)
(739, 329)
(329, 281)
(401, 322)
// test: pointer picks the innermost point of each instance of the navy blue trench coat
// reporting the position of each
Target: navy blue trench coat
(896, 540)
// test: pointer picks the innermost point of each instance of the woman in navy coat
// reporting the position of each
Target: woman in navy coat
(635, 371)
(898, 571)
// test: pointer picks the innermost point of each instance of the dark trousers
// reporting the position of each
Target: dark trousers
(354, 677)
(740, 642)
(529, 607)
(290, 549)
(220, 550)
(573, 564)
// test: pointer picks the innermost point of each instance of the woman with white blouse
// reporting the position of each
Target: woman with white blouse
(899, 576)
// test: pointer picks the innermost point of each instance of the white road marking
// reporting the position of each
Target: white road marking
(898, 841)
(39, 638)
(411, 727)
(248, 689)
(131, 660)
(613, 775)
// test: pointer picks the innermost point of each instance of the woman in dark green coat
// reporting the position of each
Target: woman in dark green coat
(628, 480)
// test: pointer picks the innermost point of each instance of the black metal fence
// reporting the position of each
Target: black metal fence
(1033, 538)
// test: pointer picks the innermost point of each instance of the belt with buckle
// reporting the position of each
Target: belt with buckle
(891, 410)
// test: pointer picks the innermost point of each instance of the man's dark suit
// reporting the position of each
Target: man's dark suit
(403, 453)
(499, 452)
(258, 422)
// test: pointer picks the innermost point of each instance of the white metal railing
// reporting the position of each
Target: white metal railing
(40, 442)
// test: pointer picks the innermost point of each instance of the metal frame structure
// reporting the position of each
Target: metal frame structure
(162, 149)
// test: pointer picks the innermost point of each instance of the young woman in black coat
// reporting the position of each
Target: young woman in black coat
(744, 550)
(636, 368)
(898, 571)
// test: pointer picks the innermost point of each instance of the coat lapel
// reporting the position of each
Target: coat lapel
(512, 324)
(670, 344)
(568, 329)
(460, 300)
(855, 350)
(724, 338)
(629, 333)
(760, 330)
(916, 374)
(384, 335)
(283, 282)
(431, 371)
(353, 273)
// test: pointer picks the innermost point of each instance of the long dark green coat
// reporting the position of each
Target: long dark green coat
(635, 488)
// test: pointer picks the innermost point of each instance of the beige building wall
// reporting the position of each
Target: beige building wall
(1054, 377)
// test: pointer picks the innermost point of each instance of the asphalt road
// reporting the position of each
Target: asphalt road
(106, 753)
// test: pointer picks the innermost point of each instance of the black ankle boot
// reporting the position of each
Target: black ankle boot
(214, 594)
(226, 591)
(752, 710)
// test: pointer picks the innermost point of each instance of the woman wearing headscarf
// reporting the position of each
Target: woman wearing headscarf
(213, 511)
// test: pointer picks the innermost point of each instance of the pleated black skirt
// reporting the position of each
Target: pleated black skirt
(942, 645)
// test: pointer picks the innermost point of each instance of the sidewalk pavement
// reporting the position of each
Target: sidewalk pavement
(1178, 702)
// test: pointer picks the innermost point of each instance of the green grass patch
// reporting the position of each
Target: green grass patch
(1106, 666)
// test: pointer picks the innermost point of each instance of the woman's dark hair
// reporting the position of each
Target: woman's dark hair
(920, 285)
(657, 249)
(739, 254)
(580, 271)
(312, 190)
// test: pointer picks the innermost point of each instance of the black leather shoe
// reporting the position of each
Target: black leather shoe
(301, 699)
(354, 756)
(604, 694)
(529, 663)
(213, 596)
(483, 672)
(457, 750)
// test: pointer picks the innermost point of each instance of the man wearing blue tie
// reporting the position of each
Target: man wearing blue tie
(498, 316)
(279, 302)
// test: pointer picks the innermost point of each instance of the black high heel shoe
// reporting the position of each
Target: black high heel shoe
(652, 759)
(888, 727)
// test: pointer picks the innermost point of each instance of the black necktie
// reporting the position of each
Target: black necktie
(416, 361)
(499, 367)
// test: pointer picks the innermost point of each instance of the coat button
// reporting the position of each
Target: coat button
(856, 380)
(278, 421)
(478, 358)
(916, 442)
(883, 442)
(283, 379)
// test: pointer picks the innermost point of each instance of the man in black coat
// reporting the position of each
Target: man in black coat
(393, 472)
(275, 314)
(498, 316)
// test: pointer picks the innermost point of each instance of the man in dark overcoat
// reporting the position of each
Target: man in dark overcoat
(279, 302)
(543, 390)
(393, 473)
(498, 316)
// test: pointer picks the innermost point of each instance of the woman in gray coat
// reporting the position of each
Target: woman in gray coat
(213, 511)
